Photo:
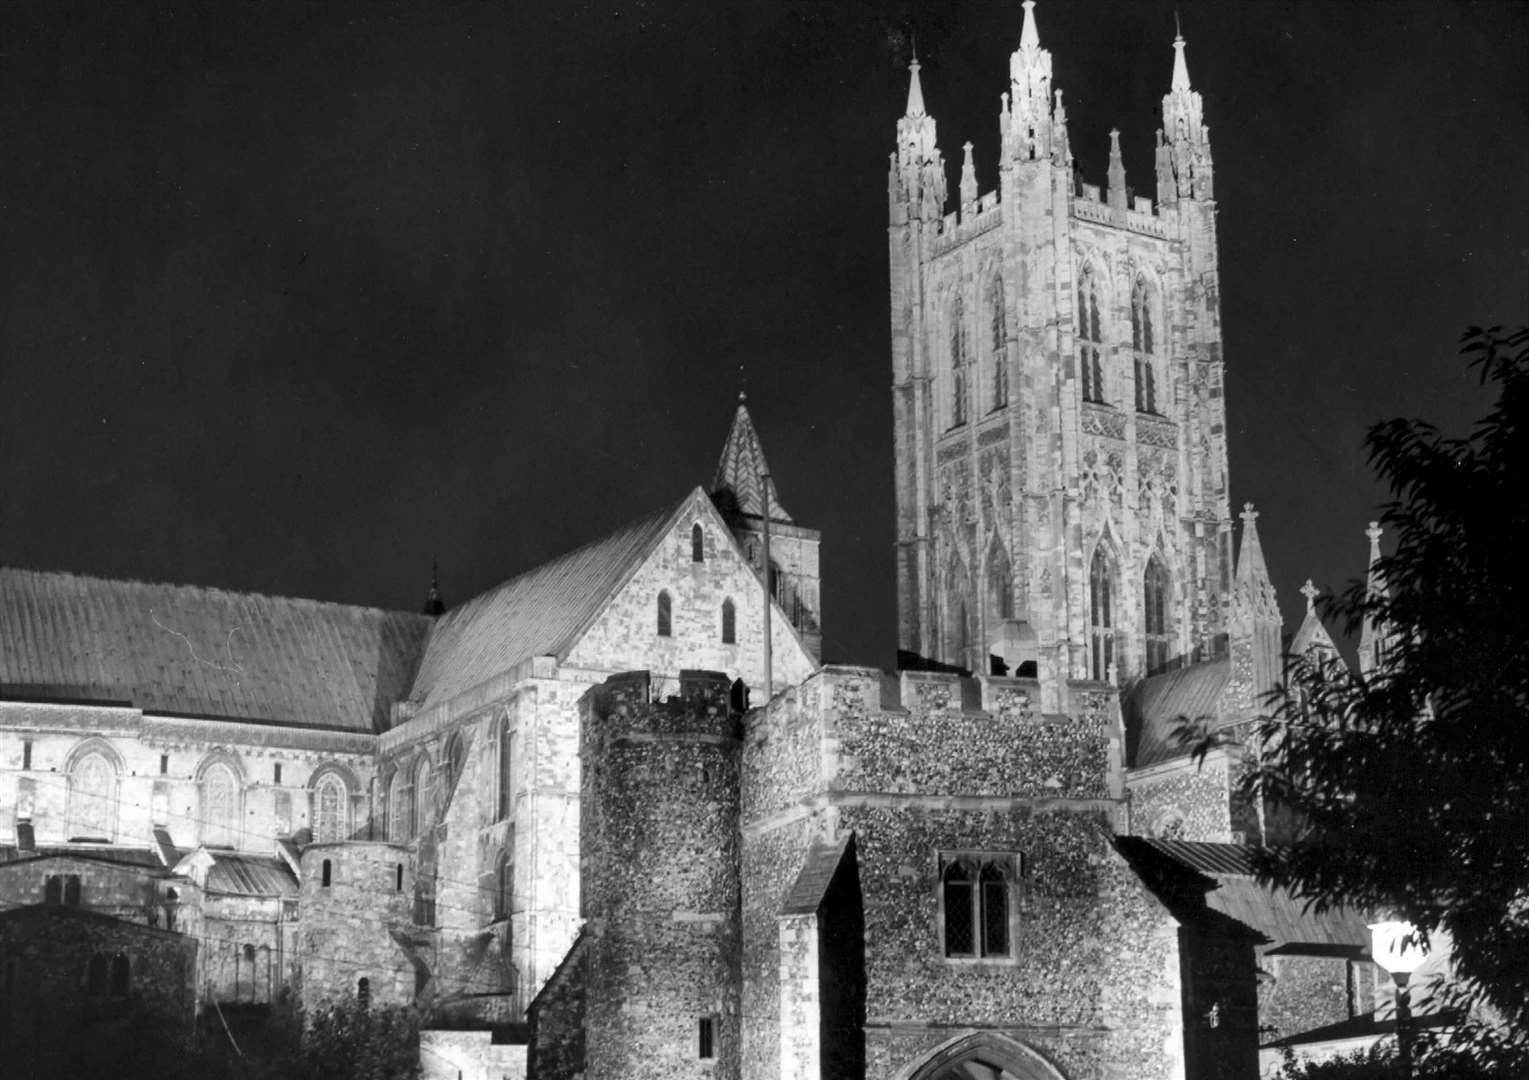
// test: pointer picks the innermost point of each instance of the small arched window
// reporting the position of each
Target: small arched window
(326, 874)
(1000, 358)
(665, 615)
(1101, 615)
(697, 543)
(363, 993)
(400, 807)
(53, 889)
(121, 976)
(72, 895)
(729, 623)
(1142, 347)
(958, 361)
(1090, 337)
(1155, 593)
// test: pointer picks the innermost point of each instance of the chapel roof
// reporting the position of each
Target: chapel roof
(542, 612)
(189, 650)
(1156, 709)
(743, 470)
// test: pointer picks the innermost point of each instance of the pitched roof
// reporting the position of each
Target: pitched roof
(1156, 707)
(540, 613)
(203, 652)
(741, 466)
(1312, 635)
(1274, 913)
(818, 869)
(249, 875)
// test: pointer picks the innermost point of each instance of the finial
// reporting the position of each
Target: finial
(1180, 65)
(1178, 31)
(1374, 532)
(1248, 515)
(1114, 142)
(1029, 37)
(915, 90)
(434, 605)
(1310, 592)
(742, 397)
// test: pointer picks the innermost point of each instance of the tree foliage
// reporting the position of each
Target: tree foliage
(1411, 784)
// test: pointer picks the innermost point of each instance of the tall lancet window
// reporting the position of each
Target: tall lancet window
(331, 810)
(1155, 593)
(1101, 615)
(1090, 337)
(958, 361)
(1000, 588)
(999, 353)
(92, 798)
(220, 806)
(1142, 347)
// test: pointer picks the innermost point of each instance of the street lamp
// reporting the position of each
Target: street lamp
(1398, 948)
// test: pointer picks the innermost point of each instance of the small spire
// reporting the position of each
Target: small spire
(1180, 65)
(1310, 592)
(968, 181)
(1117, 174)
(435, 607)
(1374, 533)
(1029, 37)
(915, 90)
(1251, 568)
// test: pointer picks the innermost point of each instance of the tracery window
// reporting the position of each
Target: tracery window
(1155, 594)
(400, 807)
(331, 810)
(729, 623)
(999, 353)
(977, 905)
(1090, 337)
(220, 806)
(665, 615)
(92, 797)
(958, 361)
(1101, 615)
(1142, 347)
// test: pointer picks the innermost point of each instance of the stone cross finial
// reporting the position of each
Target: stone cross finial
(1373, 532)
(1248, 515)
(1310, 592)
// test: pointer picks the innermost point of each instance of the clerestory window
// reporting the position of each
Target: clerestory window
(1090, 337)
(1142, 347)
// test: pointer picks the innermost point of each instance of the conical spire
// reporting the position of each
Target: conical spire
(743, 465)
(1029, 36)
(915, 90)
(435, 607)
(1252, 591)
(1180, 65)
(1184, 162)
(968, 182)
(1117, 174)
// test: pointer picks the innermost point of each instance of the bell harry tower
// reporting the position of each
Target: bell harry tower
(1060, 429)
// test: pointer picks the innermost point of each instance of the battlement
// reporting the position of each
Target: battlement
(957, 228)
(853, 731)
(625, 705)
(1088, 204)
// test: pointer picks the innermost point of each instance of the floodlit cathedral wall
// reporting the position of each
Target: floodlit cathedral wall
(1057, 389)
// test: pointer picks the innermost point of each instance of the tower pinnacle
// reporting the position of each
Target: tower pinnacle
(1183, 144)
(1180, 65)
(1029, 37)
(915, 90)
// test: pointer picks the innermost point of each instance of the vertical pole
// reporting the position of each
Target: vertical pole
(769, 674)
(1403, 1026)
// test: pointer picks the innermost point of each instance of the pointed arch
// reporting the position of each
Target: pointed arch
(729, 622)
(401, 804)
(424, 795)
(999, 577)
(1090, 334)
(697, 543)
(665, 614)
(998, 340)
(960, 612)
(329, 813)
(1143, 343)
(958, 362)
(1102, 603)
(220, 784)
(998, 1052)
(94, 769)
(1157, 628)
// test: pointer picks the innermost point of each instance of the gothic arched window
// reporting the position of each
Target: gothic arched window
(92, 797)
(95, 976)
(975, 894)
(1090, 337)
(697, 543)
(999, 353)
(1142, 347)
(1155, 594)
(1101, 615)
(504, 887)
(400, 807)
(665, 615)
(958, 361)
(121, 976)
(331, 810)
(424, 796)
(1000, 588)
(220, 806)
(506, 768)
(729, 623)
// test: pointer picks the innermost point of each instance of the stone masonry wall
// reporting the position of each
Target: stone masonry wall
(1182, 800)
(346, 931)
(660, 880)
(1299, 993)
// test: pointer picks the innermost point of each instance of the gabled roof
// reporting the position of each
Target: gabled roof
(1156, 707)
(540, 613)
(249, 875)
(741, 466)
(201, 652)
(1312, 635)
(817, 874)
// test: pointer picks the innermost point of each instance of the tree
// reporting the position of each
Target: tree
(1411, 784)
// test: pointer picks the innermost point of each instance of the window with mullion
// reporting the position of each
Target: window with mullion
(976, 896)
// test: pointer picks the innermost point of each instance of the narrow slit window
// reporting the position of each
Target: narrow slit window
(326, 874)
(697, 543)
(706, 1047)
(729, 623)
(665, 615)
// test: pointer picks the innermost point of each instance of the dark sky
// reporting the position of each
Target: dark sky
(299, 296)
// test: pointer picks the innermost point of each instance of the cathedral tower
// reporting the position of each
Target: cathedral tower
(1057, 395)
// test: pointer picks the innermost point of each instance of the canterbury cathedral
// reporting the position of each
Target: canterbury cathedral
(615, 818)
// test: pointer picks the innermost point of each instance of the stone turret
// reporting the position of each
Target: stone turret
(1253, 623)
(1183, 145)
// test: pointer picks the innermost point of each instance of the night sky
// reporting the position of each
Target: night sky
(298, 297)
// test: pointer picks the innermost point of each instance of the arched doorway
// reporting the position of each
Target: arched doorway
(979, 1056)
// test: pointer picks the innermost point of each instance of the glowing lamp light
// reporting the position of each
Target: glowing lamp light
(1397, 947)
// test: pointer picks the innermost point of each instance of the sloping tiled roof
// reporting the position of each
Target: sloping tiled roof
(1155, 707)
(1312, 635)
(811, 885)
(540, 613)
(249, 875)
(741, 466)
(1273, 912)
(204, 652)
